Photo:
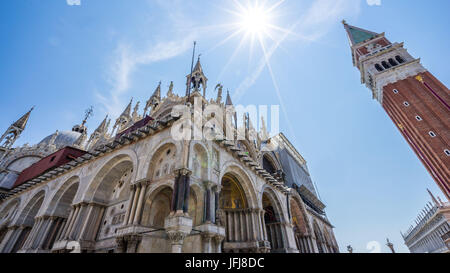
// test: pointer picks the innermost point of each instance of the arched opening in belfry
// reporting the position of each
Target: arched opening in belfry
(392, 62)
(385, 65)
(399, 59)
(273, 225)
(61, 206)
(28, 221)
(378, 67)
(233, 214)
(299, 222)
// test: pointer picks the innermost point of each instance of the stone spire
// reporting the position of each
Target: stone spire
(264, 135)
(14, 131)
(99, 133)
(170, 92)
(154, 100)
(228, 102)
(124, 119)
(103, 127)
(135, 115)
(22, 122)
(127, 110)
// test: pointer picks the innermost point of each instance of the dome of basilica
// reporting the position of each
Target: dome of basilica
(63, 139)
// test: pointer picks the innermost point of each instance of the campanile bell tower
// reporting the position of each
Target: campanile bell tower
(417, 102)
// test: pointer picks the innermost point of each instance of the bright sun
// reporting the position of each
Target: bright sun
(255, 20)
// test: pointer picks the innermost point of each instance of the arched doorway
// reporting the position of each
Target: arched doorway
(272, 221)
(235, 216)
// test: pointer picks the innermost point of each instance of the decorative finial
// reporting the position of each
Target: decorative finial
(88, 113)
(344, 22)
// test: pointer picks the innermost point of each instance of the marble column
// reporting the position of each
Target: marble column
(70, 222)
(218, 240)
(140, 205)
(10, 238)
(134, 204)
(130, 203)
(207, 242)
(208, 207)
(217, 190)
(32, 236)
(180, 201)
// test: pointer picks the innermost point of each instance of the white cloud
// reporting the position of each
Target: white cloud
(73, 2)
(374, 2)
(127, 58)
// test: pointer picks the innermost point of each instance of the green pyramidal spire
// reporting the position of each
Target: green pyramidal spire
(358, 35)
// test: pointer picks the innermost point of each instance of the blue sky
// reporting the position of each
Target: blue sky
(64, 58)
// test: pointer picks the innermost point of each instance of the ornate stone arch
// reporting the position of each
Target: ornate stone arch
(31, 209)
(200, 155)
(295, 197)
(160, 148)
(196, 201)
(63, 197)
(8, 212)
(272, 160)
(163, 161)
(318, 235)
(118, 163)
(275, 201)
(23, 154)
(327, 239)
(232, 168)
(157, 205)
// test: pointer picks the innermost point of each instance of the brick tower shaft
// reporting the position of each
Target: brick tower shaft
(414, 99)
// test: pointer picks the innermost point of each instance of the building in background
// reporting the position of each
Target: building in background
(136, 189)
(417, 102)
(431, 230)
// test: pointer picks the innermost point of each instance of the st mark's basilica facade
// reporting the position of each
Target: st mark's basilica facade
(134, 188)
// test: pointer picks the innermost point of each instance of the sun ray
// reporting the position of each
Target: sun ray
(234, 34)
(276, 87)
(235, 52)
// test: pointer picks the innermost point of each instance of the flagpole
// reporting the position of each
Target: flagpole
(188, 87)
